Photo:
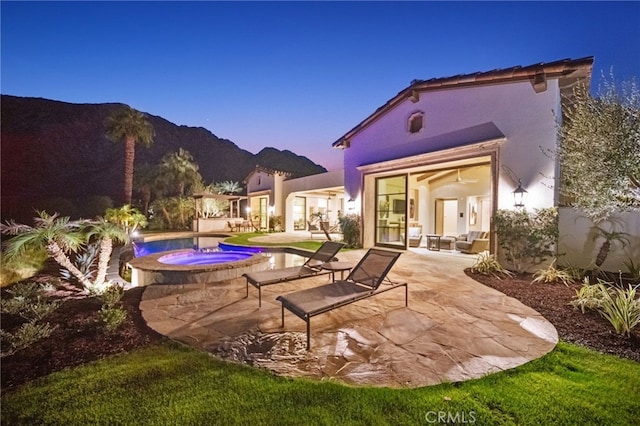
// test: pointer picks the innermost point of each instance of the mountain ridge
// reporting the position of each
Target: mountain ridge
(53, 148)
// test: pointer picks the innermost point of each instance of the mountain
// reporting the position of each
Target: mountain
(58, 150)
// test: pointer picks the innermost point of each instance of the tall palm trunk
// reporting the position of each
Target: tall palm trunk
(129, 156)
(57, 254)
(106, 248)
(603, 253)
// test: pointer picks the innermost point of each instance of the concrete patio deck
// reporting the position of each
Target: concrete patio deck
(454, 328)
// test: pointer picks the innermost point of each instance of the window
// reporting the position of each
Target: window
(416, 122)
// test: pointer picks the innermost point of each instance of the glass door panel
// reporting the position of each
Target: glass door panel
(391, 211)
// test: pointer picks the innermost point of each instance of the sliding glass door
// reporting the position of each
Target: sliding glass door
(391, 211)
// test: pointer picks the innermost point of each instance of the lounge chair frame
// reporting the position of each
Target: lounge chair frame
(353, 287)
(310, 268)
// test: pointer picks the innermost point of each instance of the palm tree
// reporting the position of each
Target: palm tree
(127, 218)
(131, 126)
(180, 168)
(228, 187)
(145, 183)
(58, 235)
(107, 233)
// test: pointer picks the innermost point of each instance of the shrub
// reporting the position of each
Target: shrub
(487, 264)
(112, 317)
(28, 333)
(111, 313)
(350, 225)
(28, 302)
(552, 275)
(527, 239)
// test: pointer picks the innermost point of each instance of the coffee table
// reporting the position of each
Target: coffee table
(433, 242)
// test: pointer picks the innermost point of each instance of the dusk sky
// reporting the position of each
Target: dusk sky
(291, 75)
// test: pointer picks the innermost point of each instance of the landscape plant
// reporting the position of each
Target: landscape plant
(130, 126)
(350, 226)
(63, 239)
(58, 235)
(526, 238)
(111, 312)
(552, 274)
(27, 301)
(619, 306)
(599, 149)
(488, 264)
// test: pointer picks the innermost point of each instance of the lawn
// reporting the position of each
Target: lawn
(169, 383)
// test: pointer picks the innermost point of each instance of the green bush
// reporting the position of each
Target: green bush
(526, 239)
(112, 317)
(350, 225)
(28, 333)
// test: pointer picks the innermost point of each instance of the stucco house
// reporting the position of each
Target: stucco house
(444, 154)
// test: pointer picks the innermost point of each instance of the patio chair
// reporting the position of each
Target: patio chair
(364, 281)
(311, 267)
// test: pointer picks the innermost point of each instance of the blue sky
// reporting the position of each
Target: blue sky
(291, 75)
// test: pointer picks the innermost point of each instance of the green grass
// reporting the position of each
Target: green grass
(243, 240)
(173, 384)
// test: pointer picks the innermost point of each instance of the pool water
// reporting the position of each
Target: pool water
(199, 258)
(209, 246)
(151, 247)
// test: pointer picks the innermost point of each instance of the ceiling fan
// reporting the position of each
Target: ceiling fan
(464, 181)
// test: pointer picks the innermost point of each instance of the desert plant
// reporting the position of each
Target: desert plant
(526, 238)
(620, 308)
(552, 274)
(84, 262)
(487, 264)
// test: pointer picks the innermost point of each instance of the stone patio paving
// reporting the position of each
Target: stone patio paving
(454, 328)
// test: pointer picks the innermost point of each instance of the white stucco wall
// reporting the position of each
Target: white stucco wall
(524, 117)
(579, 247)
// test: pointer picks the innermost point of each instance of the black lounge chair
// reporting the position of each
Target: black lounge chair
(363, 281)
(310, 268)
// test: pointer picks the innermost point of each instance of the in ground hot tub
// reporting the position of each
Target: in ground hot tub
(191, 266)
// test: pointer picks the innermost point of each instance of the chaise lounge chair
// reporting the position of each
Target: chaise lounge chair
(310, 268)
(363, 282)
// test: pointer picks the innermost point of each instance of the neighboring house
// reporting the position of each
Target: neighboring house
(297, 201)
(264, 191)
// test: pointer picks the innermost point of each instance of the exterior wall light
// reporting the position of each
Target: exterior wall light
(519, 195)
